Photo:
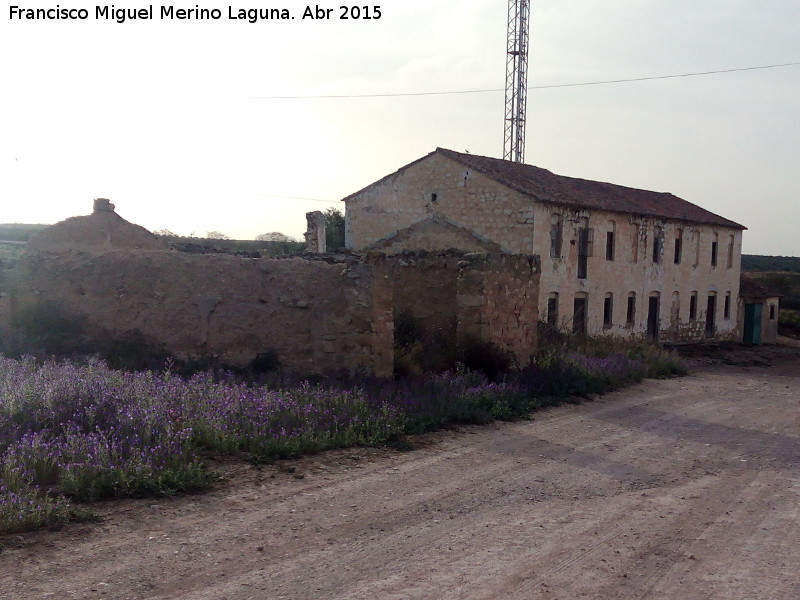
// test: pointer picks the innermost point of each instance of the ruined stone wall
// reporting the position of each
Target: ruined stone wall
(318, 317)
(329, 315)
(498, 302)
(426, 285)
(489, 296)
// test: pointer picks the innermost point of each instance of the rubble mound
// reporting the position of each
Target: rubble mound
(102, 231)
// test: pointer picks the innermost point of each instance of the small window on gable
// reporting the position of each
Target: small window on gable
(771, 312)
(434, 197)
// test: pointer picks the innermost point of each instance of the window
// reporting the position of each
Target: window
(556, 233)
(771, 312)
(610, 245)
(579, 315)
(714, 244)
(696, 248)
(608, 308)
(730, 252)
(610, 234)
(658, 243)
(711, 315)
(552, 310)
(693, 307)
(726, 311)
(630, 317)
(678, 246)
(585, 243)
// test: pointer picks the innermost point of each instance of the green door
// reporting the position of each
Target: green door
(752, 323)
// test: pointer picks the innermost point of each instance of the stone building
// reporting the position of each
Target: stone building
(614, 259)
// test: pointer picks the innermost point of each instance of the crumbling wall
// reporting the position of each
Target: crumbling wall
(497, 302)
(426, 285)
(318, 317)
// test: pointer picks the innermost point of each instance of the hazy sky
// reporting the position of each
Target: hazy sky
(169, 119)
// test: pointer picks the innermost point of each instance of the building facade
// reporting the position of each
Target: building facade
(614, 260)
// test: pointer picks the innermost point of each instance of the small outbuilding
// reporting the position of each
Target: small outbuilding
(758, 312)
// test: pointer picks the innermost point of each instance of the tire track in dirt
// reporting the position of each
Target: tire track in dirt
(564, 506)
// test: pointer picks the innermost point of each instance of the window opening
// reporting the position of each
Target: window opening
(630, 316)
(552, 310)
(608, 308)
(585, 243)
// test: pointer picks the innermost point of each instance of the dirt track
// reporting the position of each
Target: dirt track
(687, 488)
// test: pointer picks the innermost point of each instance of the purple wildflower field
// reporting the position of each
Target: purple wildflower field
(80, 432)
(88, 432)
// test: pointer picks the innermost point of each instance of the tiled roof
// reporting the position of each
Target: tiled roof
(750, 288)
(544, 186)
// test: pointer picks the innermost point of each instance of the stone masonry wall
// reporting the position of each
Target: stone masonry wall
(333, 314)
(497, 301)
(318, 317)
(454, 294)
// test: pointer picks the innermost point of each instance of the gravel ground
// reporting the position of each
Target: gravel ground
(686, 488)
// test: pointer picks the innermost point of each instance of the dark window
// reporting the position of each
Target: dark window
(434, 197)
(608, 307)
(771, 312)
(552, 310)
(678, 247)
(653, 318)
(693, 307)
(711, 316)
(730, 252)
(610, 245)
(631, 314)
(555, 236)
(585, 242)
(727, 307)
(714, 253)
(579, 316)
(658, 242)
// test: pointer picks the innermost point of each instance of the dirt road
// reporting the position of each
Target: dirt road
(687, 488)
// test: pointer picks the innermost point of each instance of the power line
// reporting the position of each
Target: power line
(534, 87)
(294, 197)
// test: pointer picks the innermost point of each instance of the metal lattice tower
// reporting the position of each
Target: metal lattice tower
(516, 80)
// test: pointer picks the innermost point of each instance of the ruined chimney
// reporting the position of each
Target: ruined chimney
(103, 205)
(315, 232)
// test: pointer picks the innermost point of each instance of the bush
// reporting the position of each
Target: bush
(789, 323)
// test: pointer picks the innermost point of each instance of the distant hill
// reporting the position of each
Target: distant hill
(19, 232)
(756, 262)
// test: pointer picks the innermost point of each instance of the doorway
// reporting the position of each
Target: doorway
(652, 318)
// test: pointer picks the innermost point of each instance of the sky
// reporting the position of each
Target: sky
(182, 125)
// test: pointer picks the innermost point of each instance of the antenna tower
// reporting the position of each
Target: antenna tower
(516, 80)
